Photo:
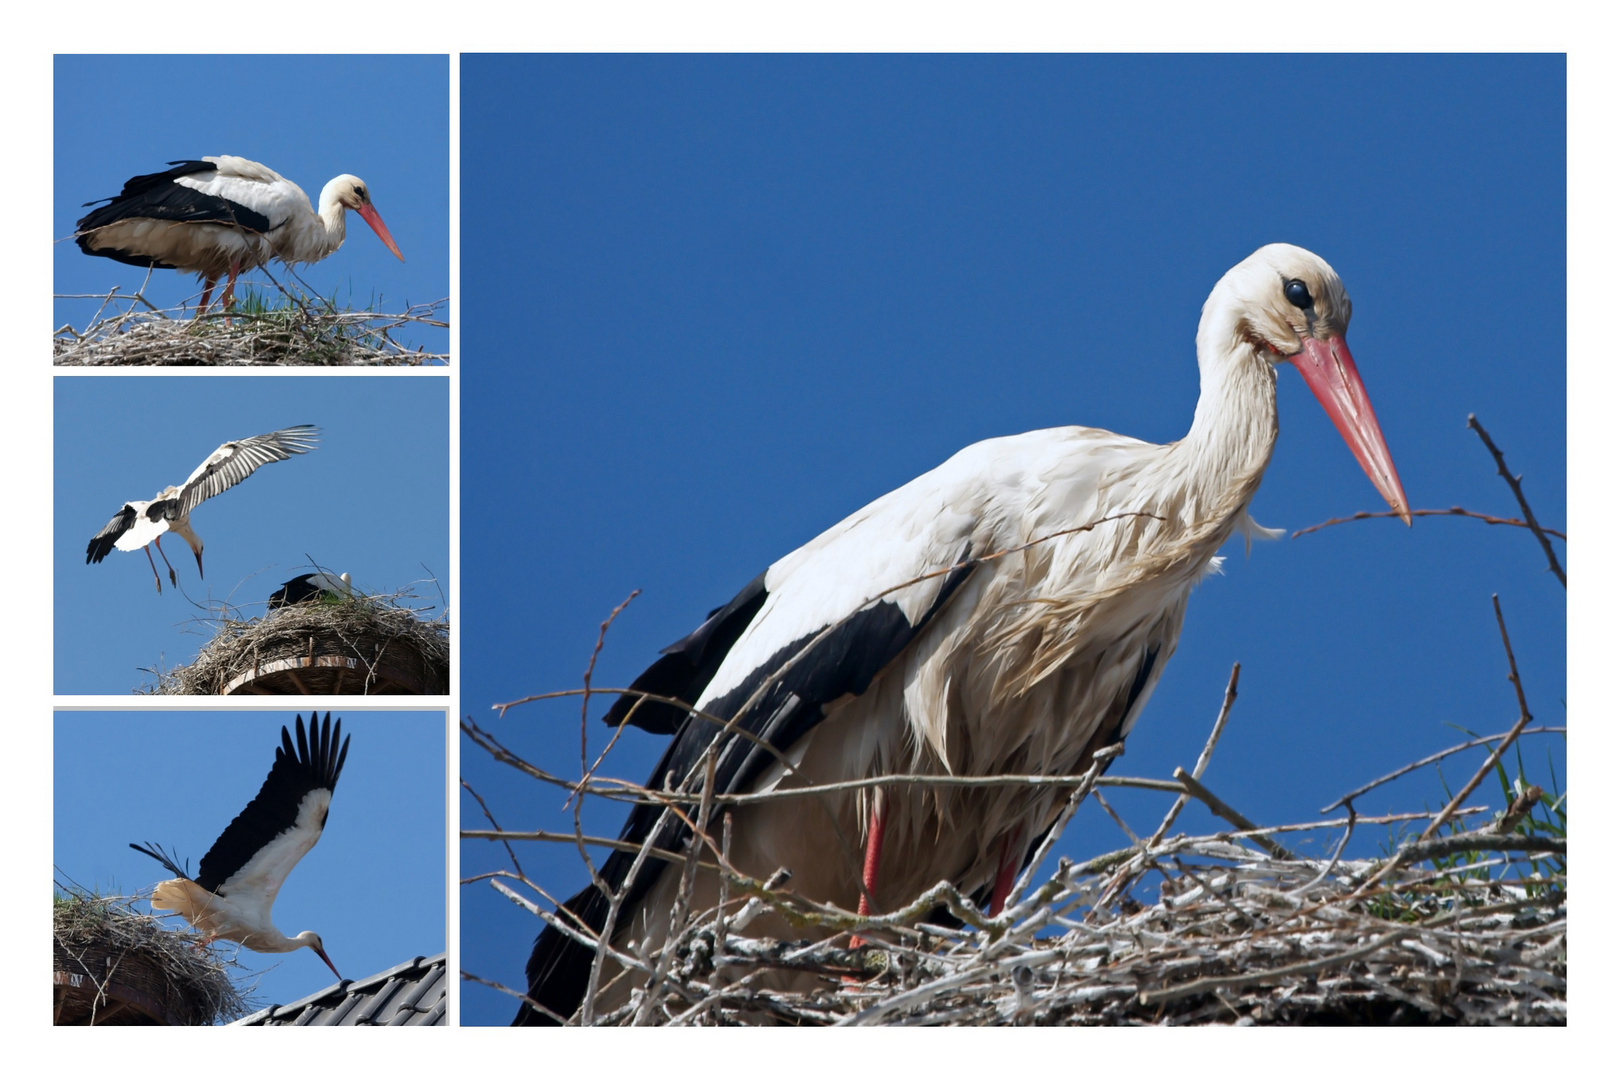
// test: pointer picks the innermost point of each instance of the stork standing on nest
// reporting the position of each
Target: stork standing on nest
(221, 215)
(1008, 612)
(237, 881)
(142, 523)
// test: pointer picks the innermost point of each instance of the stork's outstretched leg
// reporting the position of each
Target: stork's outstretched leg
(158, 540)
(874, 855)
(208, 293)
(155, 579)
(1006, 874)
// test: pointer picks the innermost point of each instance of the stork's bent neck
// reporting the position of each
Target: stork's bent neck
(1234, 427)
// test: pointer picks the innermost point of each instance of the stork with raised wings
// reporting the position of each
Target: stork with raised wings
(141, 523)
(237, 881)
(1008, 612)
(218, 216)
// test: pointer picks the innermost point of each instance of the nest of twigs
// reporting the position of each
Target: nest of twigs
(358, 645)
(1465, 924)
(112, 964)
(1237, 936)
(1462, 921)
(302, 332)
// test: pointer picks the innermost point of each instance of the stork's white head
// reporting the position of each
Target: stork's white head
(309, 939)
(1284, 303)
(351, 193)
(1274, 301)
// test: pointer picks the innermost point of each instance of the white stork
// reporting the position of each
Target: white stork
(316, 586)
(968, 623)
(237, 881)
(143, 523)
(221, 215)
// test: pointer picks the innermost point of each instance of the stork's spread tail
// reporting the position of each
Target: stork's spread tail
(168, 860)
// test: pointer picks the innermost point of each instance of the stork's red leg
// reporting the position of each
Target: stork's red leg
(1005, 875)
(158, 540)
(869, 871)
(155, 579)
(208, 293)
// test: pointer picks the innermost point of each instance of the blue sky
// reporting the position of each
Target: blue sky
(739, 297)
(310, 118)
(373, 888)
(372, 500)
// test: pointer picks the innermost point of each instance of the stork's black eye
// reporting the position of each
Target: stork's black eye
(1297, 293)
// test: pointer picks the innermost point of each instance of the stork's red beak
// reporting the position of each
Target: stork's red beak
(322, 954)
(374, 219)
(1331, 374)
(198, 554)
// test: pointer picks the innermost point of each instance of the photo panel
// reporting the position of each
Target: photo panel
(742, 297)
(204, 526)
(218, 796)
(335, 249)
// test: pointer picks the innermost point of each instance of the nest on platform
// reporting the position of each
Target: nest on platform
(300, 331)
(351, 645)
(112, 964)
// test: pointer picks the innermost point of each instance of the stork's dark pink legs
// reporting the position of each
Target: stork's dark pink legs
(158, 540)
(155, 579)
(208, 294)
(1005, 876)
(869, 871)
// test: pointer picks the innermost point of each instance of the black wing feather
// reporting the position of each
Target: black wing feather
(157, 196)
(102, 544)
(314, 764)
(686, 667)
(845, 660)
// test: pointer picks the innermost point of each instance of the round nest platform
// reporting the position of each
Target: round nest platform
(364, 646)
(113, 965)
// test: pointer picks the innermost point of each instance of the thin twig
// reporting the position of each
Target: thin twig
(1500, 748)
(1204, 757)
(1518, 493)
(1455, 511)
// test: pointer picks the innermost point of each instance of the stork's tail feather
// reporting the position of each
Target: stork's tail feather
(560, 966)
(169, 861)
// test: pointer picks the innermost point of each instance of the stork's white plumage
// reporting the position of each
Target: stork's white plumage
(140, 523)
(1008, 612)
(221, 215)
(237, 881)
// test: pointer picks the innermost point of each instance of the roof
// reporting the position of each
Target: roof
(410, 995)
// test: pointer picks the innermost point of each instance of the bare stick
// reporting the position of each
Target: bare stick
(485, 808)
(1507, 741)
(1203, 758)
(1455, 511)
(1518, 493)
(585, 698)
(1208, 798)
(1483, 740)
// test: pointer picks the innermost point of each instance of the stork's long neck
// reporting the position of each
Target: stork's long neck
(333, 219)
(1219, 464)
